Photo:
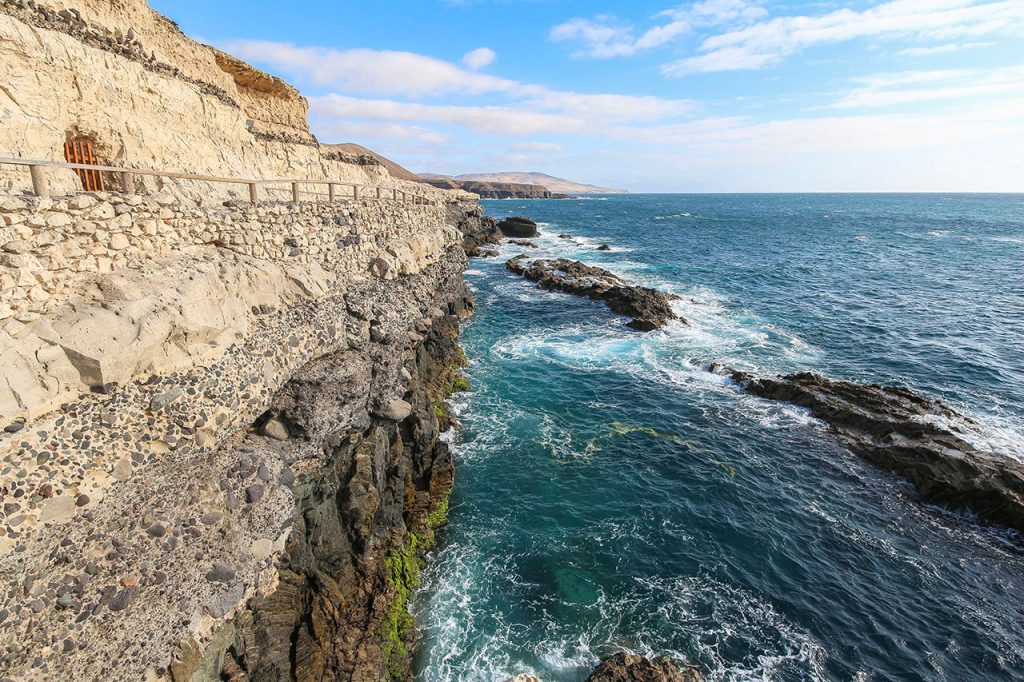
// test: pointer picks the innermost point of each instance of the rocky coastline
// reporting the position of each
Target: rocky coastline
(649, 308)
(922, 440)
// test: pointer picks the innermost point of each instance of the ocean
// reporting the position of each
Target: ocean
(611, 494)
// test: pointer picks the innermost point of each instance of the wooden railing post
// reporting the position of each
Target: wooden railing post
(254, 193)
(330, 192)
(379, 190)
(39, 185)
(128, 180)
(295, 192)
(355, 192)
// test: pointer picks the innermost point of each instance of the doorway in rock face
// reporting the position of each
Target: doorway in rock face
(80, 151)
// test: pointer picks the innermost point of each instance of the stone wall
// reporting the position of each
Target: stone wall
(47, 245)
(52, 251)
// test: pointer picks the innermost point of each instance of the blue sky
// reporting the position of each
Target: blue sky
(718, 95)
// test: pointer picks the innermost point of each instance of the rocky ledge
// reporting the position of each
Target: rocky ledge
(649, 308)
(478, 230)
(923, 440)
(624, 667)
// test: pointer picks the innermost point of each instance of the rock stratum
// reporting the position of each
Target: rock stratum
(649, 308)
(222, 462)
(922, 440)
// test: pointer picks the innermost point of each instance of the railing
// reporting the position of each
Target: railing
(40, 186)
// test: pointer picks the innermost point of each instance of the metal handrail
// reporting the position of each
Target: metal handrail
(41, 188)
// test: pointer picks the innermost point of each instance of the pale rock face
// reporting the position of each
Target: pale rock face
(217, 116)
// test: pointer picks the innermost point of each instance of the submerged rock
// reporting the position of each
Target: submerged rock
(649, 308)
(623, 667)
(923, 440)
(518, 226)
(523, 242)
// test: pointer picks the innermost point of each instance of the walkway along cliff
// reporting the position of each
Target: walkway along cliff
(219, 420)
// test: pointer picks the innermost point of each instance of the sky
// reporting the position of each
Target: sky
(709, 96)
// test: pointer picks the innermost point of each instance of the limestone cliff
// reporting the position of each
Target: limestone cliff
(219, 421)
(124, 78)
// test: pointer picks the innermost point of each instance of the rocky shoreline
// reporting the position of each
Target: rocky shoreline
(649, 308)
(922, 440)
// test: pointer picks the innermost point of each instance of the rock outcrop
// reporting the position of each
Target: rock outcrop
(518, 226)
(478, 230)
(649, 308)
(623, 667)
(922, 440)
(219, 421)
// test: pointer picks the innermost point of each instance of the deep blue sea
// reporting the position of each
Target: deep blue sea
(611, 494)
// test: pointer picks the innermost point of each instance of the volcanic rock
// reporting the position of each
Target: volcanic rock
(623, 667)
(519, 227)
(649, 308)
(922, 440)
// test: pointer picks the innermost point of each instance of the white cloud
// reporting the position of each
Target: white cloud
(602, 37)
(369, 72)
(379, 130)
(909, 87)
(500, 120)
(479, 58)
(410, 75)
(537, 148)
(940, 49)
(769, 42)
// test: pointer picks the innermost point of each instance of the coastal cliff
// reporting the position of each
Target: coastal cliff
(229, 445)
(219, 420)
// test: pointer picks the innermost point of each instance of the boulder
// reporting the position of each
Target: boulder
(623, 667)
(396, 410)
(519, 227)
(276, 429)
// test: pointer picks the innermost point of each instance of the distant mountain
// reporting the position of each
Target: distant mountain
(553, 184)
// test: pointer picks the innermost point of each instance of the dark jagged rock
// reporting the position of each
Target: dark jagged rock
(523, 242)
(519, 227)
(624, 667)
(478, 230)
(649, 308)
(922, 440)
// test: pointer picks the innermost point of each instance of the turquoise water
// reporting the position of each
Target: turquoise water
(611, 494)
